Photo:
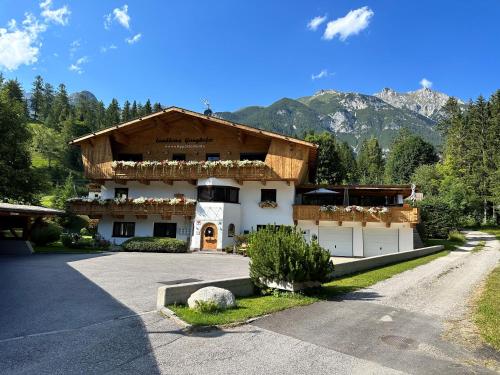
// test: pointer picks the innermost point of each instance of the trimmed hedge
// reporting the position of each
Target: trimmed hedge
(155, 244)
(282, 254)
(45, 233)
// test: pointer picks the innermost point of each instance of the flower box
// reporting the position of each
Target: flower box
(268, 204)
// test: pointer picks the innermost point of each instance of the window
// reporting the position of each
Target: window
(226, 194)
(230, 230)
(129, 157)
(253, 156)
(123, 229)
(209, 232)
(121, 193)
(179, 157)
(213, 157)
(259, 227)
(165, 230)
(268, 195)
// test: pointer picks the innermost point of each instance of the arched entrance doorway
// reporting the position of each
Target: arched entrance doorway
(208, 237)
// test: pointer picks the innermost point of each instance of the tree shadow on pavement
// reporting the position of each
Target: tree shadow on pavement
(55, 320)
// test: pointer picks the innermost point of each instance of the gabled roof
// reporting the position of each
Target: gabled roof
(200, 116)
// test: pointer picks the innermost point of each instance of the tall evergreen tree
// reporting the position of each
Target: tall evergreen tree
(348, 162)
(62, 108)
(134, 113)
(157, 107)
(408, 152)
(126, 116)
(17, 180)
(327, 171)
(113, 113)
(370, 162)
(37, 97)
(147, 109)
(47, 101)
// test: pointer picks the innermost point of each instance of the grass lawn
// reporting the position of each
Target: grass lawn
(260, 305)
(488, 310)
(455, 239)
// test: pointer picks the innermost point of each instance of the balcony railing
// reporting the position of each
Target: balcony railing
(178, 171)
(357, 214)
(96, 209)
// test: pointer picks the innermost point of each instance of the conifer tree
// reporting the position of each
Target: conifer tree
(147, 109)
(48, 100)
(113, 113)
(157, 107)
(134, 113)
(370, 162)
(348, 163)
(37, 98)
(126, 116)
(327, 171)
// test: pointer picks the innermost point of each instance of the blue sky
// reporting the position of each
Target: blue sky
(251, 53)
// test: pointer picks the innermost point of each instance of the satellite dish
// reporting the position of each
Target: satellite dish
(207, 111)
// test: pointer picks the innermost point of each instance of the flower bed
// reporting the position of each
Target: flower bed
(140, 200)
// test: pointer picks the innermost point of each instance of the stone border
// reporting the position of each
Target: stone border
(172, 294)
(364, 264)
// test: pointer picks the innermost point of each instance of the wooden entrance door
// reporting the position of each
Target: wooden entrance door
(209, 237)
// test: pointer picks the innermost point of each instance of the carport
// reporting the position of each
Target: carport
(16, 222)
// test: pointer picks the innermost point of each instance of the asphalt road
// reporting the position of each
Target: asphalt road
(400, 323)
(94, 314)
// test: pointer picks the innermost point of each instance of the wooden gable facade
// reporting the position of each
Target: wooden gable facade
(178, 134)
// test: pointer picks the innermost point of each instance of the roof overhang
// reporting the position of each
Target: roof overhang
(201, 117)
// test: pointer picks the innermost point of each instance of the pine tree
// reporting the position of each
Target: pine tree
(126, 116)
(17, 180)
(157, 107)
(134, 113)
(370, 162)
(327, 171)
(48, 101)
(113, 113)
(348, 163)
(62, 108)
(147, 109)
(37, 97)
(65, 192)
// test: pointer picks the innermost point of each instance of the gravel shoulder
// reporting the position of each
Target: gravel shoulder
(441, 288)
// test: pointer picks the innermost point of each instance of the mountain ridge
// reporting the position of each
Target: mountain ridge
(351, 116)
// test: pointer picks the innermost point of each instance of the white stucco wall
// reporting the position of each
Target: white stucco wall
(252, 215)
(143, 227)
(155, 189)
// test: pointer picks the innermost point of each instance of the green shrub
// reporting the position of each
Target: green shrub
(84, 232)
(229, 249)
(45, 233)
(438, 218)
(155, 244)
(282, 254)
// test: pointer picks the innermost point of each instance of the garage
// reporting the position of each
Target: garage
(380, 241)
(337, 240)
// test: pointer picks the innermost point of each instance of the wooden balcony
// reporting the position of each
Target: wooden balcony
(96, 210)
(182, 172)
(394, 215)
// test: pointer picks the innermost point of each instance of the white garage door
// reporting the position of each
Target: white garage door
(336, 240)
(380, 241)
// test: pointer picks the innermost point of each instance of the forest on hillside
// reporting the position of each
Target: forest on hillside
(38, 165)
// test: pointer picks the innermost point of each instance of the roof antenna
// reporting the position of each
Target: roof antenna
(207, 111)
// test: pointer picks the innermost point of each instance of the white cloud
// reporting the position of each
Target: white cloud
(60, 16)
(20, 46)
(351, 24)
(77, 66)
(73, 47)
(425, 83)
(134, 39)
(316, 22)
(104, 49)
(322, 74)
(120, 15)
